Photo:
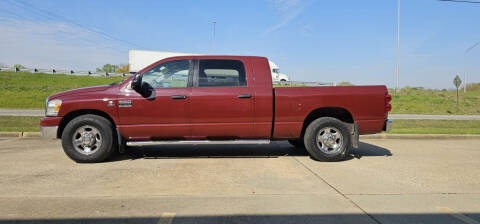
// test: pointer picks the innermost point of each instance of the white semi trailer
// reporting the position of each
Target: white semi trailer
(138, 59)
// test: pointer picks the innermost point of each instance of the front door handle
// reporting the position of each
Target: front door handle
(245, 96)
(178, 97)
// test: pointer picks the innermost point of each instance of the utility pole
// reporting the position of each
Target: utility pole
(398, 47)
(465, 72)
(468, 49)
(213, 43)
(465, 65)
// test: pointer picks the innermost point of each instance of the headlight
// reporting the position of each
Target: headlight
(53, 107)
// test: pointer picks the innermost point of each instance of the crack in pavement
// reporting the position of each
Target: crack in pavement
(338, 191)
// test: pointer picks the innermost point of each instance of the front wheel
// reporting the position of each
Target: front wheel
(327, 139)
(88, 139)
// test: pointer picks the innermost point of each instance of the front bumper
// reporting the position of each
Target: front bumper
(49, 126)
(388, 125)
(48, 131)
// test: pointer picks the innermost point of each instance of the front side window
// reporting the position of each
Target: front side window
(171, 74)
(221, 73)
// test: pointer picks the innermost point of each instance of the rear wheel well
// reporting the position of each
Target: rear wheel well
(335, 112)
(70, 116)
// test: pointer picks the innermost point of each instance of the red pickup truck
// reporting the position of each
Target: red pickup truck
(213, 100)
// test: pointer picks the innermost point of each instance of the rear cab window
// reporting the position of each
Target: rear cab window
(221, 73)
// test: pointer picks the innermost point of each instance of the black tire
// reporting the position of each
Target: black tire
(103, 127)
(297, 143)
(318, 127)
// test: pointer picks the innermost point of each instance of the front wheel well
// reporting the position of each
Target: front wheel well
(335, 112)
(70, 116)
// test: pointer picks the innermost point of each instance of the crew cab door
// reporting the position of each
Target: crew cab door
(165, 113)
(222, 100)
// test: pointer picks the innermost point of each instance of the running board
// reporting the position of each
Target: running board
(199, 142)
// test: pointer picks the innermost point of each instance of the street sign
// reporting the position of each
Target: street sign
(457, 81)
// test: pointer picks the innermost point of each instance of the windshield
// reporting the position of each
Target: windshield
(276, 70)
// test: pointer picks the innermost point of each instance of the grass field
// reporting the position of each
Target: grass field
(436, 127)
(20, 124)
(12, 123)
(420, 101)
(27, 90)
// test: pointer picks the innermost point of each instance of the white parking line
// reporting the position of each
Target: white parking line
(166, 218)
(9, 140)
(457, 215)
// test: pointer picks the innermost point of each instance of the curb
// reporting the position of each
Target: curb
(20, 134)
(419, 136)
(10, 134)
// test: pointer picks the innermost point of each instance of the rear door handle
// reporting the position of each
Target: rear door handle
(178, 97)
(245, 96)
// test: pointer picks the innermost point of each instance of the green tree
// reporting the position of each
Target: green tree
(344, 83)
(108, 68)
(19, 66)
(123, 68)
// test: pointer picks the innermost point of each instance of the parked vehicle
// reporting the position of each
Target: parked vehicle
(222, 100)
(276, 75)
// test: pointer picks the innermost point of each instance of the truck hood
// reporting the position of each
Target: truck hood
(80, 91)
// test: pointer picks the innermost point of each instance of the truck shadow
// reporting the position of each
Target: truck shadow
(366, 149)
(273, 150)
(265, 218)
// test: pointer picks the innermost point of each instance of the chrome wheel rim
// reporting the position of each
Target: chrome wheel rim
(87, 140)
(329, 140)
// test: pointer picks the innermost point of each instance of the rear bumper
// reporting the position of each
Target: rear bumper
(48, 131)
(388, 125)
(354, 135)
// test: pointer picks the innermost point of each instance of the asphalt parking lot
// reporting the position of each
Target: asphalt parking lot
(384, 181)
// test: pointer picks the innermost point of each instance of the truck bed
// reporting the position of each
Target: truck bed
(292, 105)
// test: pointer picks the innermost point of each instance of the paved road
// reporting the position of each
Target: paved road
(433, 117)
(18, 112)
(385, 181)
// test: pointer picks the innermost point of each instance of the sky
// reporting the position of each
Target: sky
(324, 41)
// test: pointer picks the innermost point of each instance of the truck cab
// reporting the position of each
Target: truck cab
(276, 75)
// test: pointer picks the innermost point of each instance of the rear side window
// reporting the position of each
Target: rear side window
(213, 73)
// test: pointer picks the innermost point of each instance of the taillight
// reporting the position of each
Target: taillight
(388, 107)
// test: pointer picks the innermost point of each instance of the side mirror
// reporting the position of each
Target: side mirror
(143, 88)
(137, 83)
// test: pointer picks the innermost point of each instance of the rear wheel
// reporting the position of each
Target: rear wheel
(88, 139)
(327, 139)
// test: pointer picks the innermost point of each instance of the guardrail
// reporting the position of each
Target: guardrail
(62, 71)
(301, 83)
(90, 73)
